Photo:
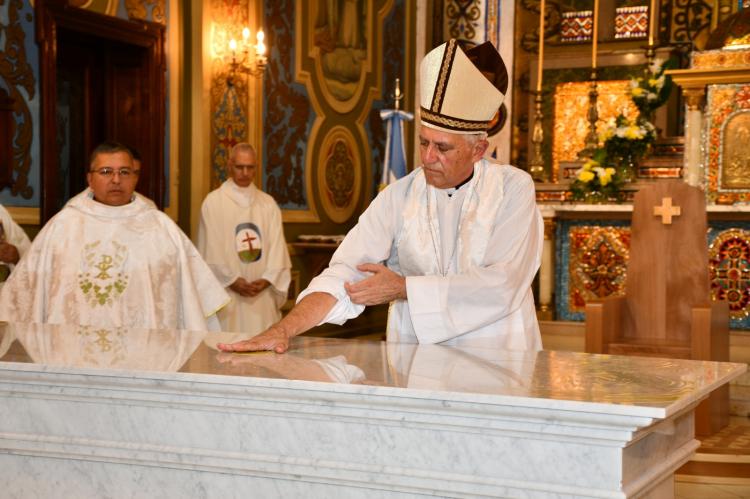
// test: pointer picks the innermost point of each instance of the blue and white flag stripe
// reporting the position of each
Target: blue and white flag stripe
(394, 163)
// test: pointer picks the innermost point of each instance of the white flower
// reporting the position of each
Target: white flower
(655, 66)
(651, 96)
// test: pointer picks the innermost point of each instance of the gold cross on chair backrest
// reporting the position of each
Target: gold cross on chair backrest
(666, 211)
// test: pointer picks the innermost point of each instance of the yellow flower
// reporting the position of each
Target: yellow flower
(589, 164)
(585, 175)
(652, 82)
(605, 175)
(632, 133)
(637, 92)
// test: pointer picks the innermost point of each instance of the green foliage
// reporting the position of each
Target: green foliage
(652, 90)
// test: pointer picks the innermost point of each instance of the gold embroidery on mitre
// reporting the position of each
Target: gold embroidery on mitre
(102, 278)
(445, 69)
(453, 123)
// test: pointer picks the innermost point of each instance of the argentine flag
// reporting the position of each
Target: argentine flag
(394, 164)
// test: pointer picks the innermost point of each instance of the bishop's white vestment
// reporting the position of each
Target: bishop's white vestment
(469, 256)
(241, 235)
(12, 233)
(110, 266)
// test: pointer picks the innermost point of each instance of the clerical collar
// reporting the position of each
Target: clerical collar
(452, 190)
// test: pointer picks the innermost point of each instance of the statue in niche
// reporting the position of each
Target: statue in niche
(340, 35)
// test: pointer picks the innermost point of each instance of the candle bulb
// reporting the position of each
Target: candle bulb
(245, 34)
(260, 47)
(651, 23)
(595, 35)
(541, 48)
(233, 45)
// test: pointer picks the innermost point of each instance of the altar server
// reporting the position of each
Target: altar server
(110, 259)
(453, 246)
(14, 243)
(242, 239)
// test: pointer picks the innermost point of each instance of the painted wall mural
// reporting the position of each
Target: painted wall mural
(228, 106)
(287, 114)
(331, 69)
(19, 74)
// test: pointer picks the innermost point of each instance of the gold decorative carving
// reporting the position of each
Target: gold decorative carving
(107, 7)
(711, 59)
(570, 111)
(736, 160)
(138, 9)
(339, 174)
(694, 98)
(725, 104)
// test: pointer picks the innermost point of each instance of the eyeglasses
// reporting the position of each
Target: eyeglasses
(108, 172)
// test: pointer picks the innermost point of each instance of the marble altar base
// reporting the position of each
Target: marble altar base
(452, 423)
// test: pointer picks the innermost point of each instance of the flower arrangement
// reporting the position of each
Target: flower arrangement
(623, 140)
(627, 140)
(597, 181)
(652, 90)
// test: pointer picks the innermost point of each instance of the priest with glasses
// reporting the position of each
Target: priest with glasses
(110, 259)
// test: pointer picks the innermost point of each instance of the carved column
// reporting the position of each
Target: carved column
(693, 164)
(547, 272)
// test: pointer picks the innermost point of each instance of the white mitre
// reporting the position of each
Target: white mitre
(461, 92)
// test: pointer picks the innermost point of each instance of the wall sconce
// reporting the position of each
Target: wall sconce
(243, 62)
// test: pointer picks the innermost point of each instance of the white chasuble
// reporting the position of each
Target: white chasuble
(99, 265)
(12, 233)
(469, 259)
(241, 235)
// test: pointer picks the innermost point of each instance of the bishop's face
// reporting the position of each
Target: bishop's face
(242, 167)
(448, 158)
(112, 177)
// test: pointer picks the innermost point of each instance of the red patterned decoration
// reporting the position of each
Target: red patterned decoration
(631, 22)
(576, 26)
(598, 263)
(729, 267)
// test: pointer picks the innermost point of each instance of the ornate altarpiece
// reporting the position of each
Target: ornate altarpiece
(592, 242)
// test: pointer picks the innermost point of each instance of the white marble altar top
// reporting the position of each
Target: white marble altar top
(635, 386)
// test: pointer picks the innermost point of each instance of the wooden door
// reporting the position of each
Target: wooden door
(103, 78)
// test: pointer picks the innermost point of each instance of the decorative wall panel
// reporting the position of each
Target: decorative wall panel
(729, 268)
(330, 71)
(339, 175)
(464, 20)
(228, 104)
(727, 135)
(19, 72)
(592, 255)
(592, 260)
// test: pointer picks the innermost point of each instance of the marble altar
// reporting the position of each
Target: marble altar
(91, 412)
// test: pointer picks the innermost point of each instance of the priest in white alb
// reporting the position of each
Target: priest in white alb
(109, 259)
(454, 245)
(242, 239)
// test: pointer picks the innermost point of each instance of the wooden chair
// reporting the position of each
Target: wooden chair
(667, 309)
